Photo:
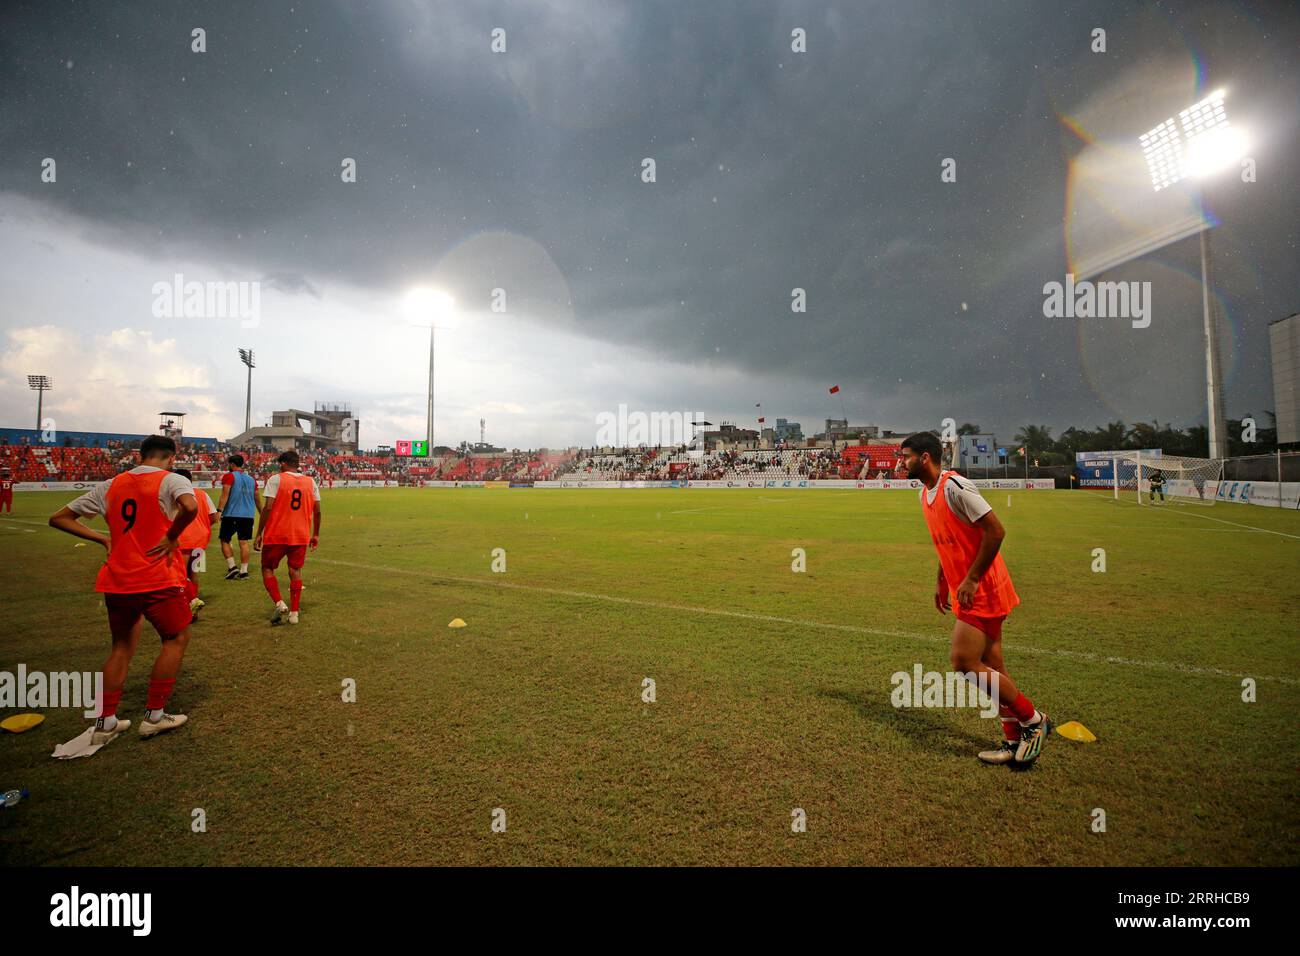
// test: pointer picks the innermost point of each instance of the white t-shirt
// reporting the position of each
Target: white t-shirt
(964, 499)
(95, 501)
(273, 486)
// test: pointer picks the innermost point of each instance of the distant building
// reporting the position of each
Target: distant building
(728, 436)
(977, 451)
(839, 430)
(787, 431)
(330, 427)
(1284, 343)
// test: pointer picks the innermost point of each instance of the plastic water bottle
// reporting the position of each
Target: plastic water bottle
(11, 797)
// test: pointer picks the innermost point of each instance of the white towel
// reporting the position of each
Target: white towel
(78, 746)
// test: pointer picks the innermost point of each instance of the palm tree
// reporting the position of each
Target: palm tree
(1034, 437)
(1109, 437)
(1143, 435)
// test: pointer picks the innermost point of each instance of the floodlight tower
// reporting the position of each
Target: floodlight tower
(246, 356)
(436, 310)
(40, 384)
(1199, 144)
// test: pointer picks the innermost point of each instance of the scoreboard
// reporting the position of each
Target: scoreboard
(411, 449)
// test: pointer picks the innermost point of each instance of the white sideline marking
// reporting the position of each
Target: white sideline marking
(688, 511)
(1193, 514)
(1170, 666)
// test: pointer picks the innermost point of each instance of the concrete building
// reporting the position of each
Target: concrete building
(728, 437)
(787, 431)
(330, 427)
(977, 451)
(1284, 344)
(840, 431)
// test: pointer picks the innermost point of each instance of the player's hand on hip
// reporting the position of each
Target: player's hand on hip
(166, 548)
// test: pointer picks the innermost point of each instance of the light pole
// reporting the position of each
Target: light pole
(246, 356)
(428, 420)
(435, 309)
(1218, 432)
(39, 384)
(1198, 145)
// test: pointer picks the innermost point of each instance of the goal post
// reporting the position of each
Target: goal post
(1157, 479)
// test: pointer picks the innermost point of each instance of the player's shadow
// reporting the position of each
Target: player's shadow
(938, 730)
(192, 689)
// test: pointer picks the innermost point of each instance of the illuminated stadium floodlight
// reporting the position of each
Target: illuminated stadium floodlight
(246, 356)
(435, 309)
(39, 384)
(1200, 143)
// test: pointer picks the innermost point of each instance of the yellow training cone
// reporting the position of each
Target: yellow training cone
(20, 722)
(1076, 731)
(457, 622)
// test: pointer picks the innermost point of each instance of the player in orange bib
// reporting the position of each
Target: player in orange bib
(147, 509)
(967, 535)
(288, 525)
(194, 542)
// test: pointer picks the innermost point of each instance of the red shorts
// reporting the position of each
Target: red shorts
(991, 627)
(167, 610)
(272, 554)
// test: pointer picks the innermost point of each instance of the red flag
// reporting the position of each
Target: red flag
(761, 420)
(834, 389)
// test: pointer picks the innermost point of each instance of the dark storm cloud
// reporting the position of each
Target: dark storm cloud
(775, 170)
(290, 283)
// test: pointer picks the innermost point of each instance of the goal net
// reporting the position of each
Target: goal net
(1160, 479)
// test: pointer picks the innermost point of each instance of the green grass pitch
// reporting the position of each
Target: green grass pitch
(772, 689)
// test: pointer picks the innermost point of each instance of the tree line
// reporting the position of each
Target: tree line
(1193, 441)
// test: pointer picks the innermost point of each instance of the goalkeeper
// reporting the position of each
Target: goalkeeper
(1157, 485)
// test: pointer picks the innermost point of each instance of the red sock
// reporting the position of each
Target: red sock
(1010, 726)
(1022, 707)
(295, 595)
(191, 589)
(160, 689)
(272, 587)
(111, 699)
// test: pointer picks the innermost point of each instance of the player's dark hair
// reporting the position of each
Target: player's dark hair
(236, 460)
(289, 458)
(925, 443)
(184, 473)
(156, 446)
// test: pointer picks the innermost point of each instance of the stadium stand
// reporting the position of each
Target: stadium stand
(52, 463)
(654, 464)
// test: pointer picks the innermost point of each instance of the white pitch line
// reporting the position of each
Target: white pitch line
(1170, 666)
(1193, 514)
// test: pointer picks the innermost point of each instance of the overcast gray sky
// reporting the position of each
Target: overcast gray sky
(522, 170)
